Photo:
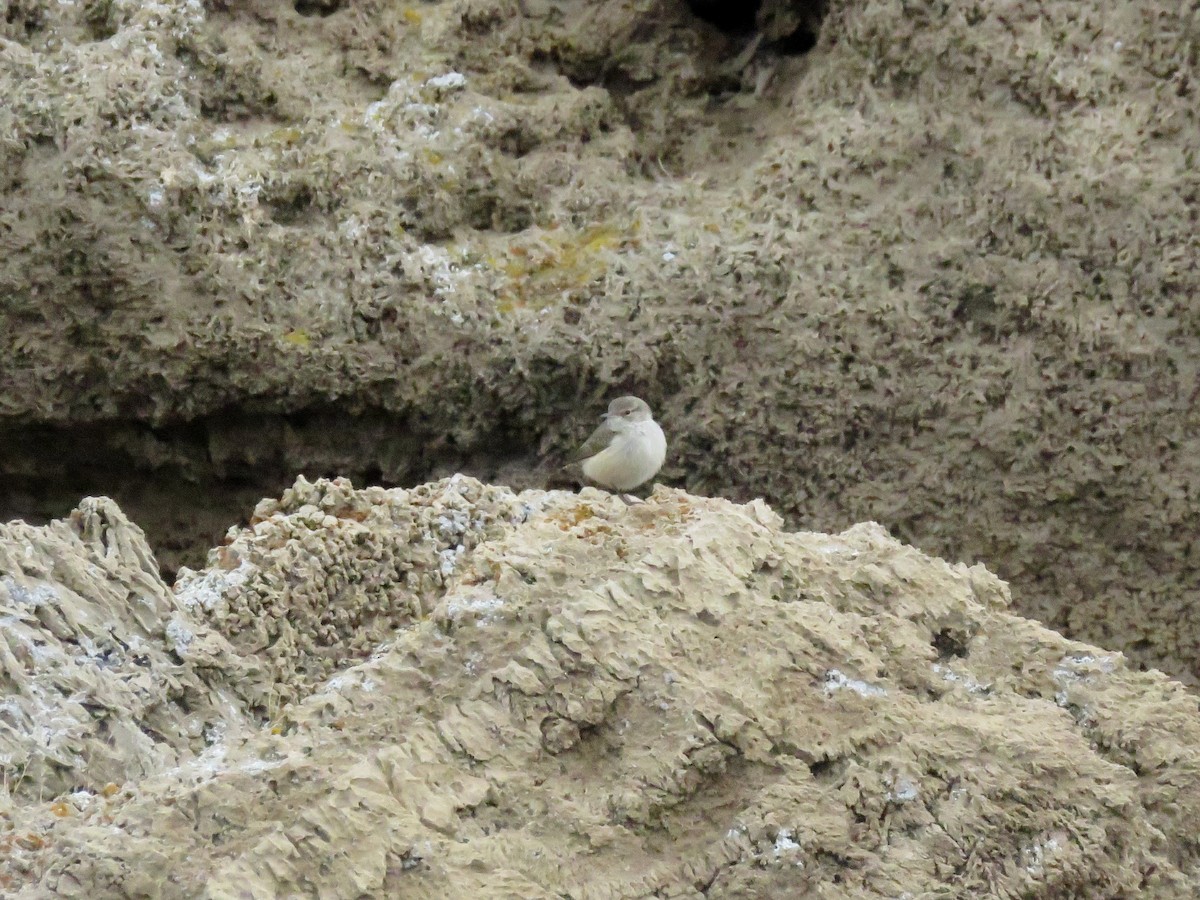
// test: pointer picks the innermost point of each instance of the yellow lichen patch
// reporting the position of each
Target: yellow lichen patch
(411, 16)
(60, 809)
(286, 136)
(298, 338)
(554, 265)
(110, 789)
(600, 238)
(211, 145)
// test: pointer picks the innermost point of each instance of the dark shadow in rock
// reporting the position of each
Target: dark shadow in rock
(322, 8)
(186, 483)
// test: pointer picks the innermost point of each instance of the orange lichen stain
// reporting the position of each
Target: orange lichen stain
(227, 559)
(110, 789)
(31, 841)
(583, 512)
(569, 518)
(298, 338)
(654, 516)
(60, 809)
(598, 533)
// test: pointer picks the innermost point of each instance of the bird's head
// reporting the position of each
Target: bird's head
(626, 411)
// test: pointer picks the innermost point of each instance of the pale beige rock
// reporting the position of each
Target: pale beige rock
(591, 699)
(939, 272)
(105, 678)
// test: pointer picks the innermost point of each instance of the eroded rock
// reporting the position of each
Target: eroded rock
(937, 272)
(593, 699)
(106, 676)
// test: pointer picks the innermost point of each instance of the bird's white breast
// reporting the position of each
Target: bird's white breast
(632, 459)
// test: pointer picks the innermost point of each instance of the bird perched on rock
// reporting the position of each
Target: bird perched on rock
(628, 448)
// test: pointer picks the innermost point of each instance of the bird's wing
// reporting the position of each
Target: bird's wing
(600, 439)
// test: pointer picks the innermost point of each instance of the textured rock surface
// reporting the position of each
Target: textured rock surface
(104, 678)
(586, 699)
(939, 272)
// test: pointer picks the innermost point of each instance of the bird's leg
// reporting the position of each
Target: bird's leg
(632, 499)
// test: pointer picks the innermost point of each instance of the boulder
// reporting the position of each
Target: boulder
(458, 690)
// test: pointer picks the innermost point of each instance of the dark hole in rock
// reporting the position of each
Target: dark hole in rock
(516, 142)
(322, 8)
(823, 768)
(976, 304)
(733, 18)
(788, 27)
(949, 643)
(798, 42)
(291, 209)
(100, 18)
(487, 212)
(29, 18)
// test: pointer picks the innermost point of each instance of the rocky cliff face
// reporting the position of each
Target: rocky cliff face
(461, 691)
(932, 266)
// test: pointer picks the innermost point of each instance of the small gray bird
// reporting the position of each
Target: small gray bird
(628, 448)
